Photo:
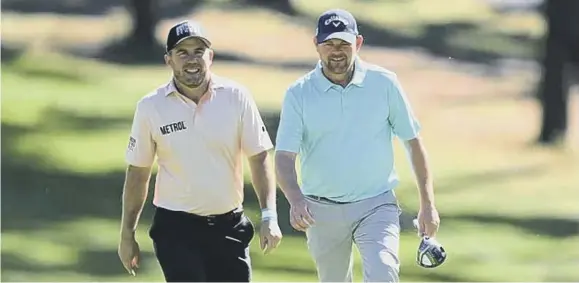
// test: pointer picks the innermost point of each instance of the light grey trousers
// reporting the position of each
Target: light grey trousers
(371, 224)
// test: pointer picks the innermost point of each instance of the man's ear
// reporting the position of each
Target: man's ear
(167, 59)
(208, 57)
(315, 41)
(359, 42)
(211, 54)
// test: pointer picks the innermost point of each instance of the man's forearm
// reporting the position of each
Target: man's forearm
(285, 169)
(422, 172)
(262, 178)
(134, 196)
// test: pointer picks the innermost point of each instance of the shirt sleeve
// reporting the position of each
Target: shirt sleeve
(290, 131)
(401, 118)
(141, 149)
(254, 136)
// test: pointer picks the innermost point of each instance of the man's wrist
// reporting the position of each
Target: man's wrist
(295, 196)
(426, 196)
(127, 234)
(426, 203)
(268, 214)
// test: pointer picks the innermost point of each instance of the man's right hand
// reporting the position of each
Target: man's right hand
(129, 253)
(300, 217)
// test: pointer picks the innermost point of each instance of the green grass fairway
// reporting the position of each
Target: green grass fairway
(509, 210)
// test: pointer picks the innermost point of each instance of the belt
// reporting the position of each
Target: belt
(325, 199)
(234, 215)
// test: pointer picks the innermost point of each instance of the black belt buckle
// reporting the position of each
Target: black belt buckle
(210, 219)
(226, 217)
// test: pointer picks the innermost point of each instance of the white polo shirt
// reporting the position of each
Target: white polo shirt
(199, 148)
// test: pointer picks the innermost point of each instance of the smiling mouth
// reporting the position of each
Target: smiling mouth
(192, 71)
(338, 59)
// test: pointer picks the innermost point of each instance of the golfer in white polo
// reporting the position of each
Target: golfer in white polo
(198, 127)
(341, 118)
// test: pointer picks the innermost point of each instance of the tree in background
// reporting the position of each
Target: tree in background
(283, 6)
(145, 20)
(560, 53)
(145, 16)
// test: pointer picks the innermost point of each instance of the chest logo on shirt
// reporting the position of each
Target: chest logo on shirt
(173, 127)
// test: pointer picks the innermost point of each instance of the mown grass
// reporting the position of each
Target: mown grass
(508, 209)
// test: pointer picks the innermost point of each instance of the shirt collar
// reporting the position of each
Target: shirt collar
(357, 79)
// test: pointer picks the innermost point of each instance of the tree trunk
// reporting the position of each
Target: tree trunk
(555, 83)
(144, 22)
(266, 2)
(284, 6)
(554, 93)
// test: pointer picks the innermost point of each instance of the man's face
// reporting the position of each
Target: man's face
(190, 61)
(338, 55)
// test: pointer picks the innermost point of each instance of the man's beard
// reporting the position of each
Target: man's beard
(338, 67)
(191, 80)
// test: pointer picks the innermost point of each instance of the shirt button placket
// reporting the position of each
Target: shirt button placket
(344, 101)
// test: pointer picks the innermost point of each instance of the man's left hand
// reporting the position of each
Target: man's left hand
(269, 235)
(428, 221)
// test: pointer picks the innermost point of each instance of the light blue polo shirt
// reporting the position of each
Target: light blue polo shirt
(344, 135)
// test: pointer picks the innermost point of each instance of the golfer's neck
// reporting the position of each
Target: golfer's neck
(192, 93)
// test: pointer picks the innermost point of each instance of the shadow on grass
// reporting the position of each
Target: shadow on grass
(433, 276)
(51, 74)
(82, 122)
(93, 263)
(9, 54)
(124, 52)
(92, 8)
(458, 40)
(36, 195)
(534, 226)
(285, 267)
(489, 177)
(284, 7)
(164, 9)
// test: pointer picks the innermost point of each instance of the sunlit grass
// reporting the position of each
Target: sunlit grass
(481, 165)
(472, 179)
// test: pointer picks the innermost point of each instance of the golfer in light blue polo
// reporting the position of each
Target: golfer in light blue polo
(340, 119)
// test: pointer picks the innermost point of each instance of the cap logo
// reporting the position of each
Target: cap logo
(184, 28)
(335, 20)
